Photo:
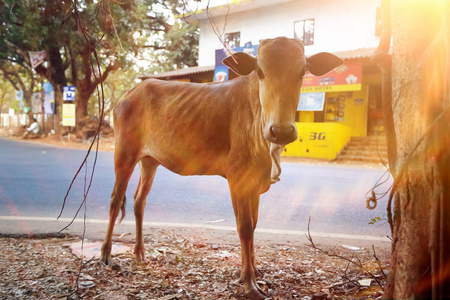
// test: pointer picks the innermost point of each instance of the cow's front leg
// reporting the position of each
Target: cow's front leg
(246, 212)
(123, 165)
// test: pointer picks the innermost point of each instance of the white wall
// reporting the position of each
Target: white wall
(13, 121)
(339, 25)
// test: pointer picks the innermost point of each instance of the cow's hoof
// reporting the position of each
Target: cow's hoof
(255, 294)
(105, 259)
(139, 255)
(141, 261)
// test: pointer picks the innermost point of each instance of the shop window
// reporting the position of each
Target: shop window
(233, 39)
(304, 30)
(335, 109)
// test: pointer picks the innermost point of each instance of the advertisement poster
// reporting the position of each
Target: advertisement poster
(346, 77)
(19, 95)
(36, 58)
(49, 98)
(36, 103)
(68, 114)
(220, 74)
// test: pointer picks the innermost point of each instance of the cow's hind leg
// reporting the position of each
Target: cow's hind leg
(255, 210)
(245, 207)
(124, 167)
(148, 168)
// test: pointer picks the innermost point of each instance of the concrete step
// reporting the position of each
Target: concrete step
(353, 147)
(370, 149)
(364, 159)
(366, 153)
(368, 142)
(368, 138)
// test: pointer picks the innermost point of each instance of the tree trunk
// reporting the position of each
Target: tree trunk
(58, 101)
(82, 106)
(420, 77)
(58, 75)
(27, 96)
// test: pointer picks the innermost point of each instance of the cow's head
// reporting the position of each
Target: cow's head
(280, 67)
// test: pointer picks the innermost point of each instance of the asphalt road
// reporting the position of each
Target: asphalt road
(34, 179)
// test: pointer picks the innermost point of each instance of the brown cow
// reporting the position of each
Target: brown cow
(234, 129)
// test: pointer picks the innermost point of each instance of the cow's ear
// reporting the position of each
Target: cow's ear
(241, 63)
(321, 63)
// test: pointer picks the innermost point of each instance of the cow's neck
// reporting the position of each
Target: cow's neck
(261, 146)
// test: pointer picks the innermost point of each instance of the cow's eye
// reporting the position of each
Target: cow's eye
(260, 73)
(302, 73)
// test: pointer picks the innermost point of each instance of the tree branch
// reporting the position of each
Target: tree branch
(86, 67)
(13, 78)
(73, 66)
(109, 68)
(155, 47)
(19, 51)
(156, 20)
(67, 63)
(9, 59)
(43, 71)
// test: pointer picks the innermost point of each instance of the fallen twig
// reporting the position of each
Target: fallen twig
(351, 261)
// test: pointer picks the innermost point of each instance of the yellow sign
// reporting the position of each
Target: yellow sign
(331, 88)
(318, 140)
(68, 115)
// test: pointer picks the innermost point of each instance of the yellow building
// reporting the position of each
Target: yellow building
(342, 104)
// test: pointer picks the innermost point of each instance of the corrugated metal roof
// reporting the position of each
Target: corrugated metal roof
(349, 54)
(181, 72)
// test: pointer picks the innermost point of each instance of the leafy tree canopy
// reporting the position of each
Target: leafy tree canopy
(119, 30)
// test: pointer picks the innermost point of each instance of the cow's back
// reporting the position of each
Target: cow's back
(185, 126)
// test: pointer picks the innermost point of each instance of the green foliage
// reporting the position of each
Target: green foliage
(181, 45)
(114, 88)
(61, 27)
(7, 96)
(31, 26)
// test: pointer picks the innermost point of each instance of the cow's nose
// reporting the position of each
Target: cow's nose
(283, 134)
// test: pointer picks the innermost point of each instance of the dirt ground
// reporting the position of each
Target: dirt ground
(106, 143)
(182, 265)
(185, 267)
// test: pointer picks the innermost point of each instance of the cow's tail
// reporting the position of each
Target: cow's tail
(122, 209)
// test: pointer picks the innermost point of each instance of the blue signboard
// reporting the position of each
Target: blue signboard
(69, 93)
(221, 71)
(222, 53)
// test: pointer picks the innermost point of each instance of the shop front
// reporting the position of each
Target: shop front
(335, 107)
